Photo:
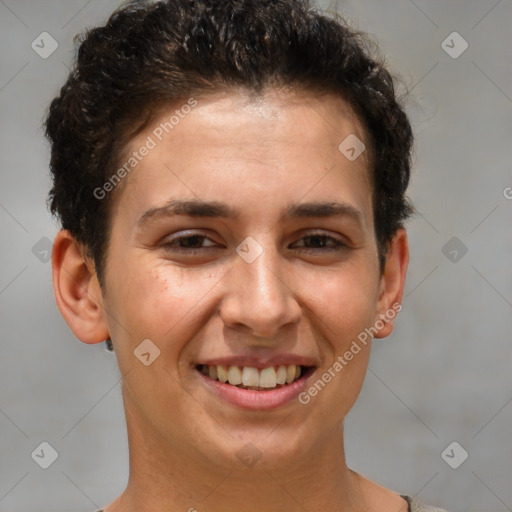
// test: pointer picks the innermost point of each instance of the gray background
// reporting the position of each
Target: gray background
(443, 376)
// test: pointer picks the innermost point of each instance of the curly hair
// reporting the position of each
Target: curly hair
(152, 54)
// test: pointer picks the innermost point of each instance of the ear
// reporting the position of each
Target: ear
(77, 290)
(392, 283)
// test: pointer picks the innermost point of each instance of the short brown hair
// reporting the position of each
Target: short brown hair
(149, 55)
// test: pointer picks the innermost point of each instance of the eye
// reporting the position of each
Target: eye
(195, 242)
(191, 243)
(322, 242)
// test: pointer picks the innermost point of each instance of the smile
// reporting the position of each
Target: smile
(252, 388)
(247, 377)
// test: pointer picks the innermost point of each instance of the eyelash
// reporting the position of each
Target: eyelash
(338, 245)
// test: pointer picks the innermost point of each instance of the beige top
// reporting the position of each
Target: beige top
(414, 506)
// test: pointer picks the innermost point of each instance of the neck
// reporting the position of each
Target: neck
(168, 478)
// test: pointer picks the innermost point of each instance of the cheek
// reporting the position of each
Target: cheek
(343, 300)
(343, 306)
(156, 302)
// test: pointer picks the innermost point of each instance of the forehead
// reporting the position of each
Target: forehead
(275, 143)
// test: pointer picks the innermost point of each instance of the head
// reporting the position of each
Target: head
(234, 124)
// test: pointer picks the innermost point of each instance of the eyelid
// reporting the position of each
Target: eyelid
(339, 242)
(186, 234)
(304, 233)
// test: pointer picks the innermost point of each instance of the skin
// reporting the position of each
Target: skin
(258, 155)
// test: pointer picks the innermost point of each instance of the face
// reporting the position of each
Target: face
(243, 247)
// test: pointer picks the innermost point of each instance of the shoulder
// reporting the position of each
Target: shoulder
(416, 506)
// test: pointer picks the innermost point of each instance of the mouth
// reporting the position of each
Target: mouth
(256, 379)
(256, 383)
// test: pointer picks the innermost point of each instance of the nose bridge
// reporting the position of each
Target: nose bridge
(258, 297)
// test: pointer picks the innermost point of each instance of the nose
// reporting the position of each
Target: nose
(260, 299)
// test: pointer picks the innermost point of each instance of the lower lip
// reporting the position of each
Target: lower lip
(258, 400)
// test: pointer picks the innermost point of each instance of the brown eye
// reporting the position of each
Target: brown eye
(193, 242)
(322, 242)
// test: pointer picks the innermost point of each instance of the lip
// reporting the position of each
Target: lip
(260, 362)
(258, 400)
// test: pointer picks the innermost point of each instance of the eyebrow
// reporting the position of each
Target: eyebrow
(215, 209)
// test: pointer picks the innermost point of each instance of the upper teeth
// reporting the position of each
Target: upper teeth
(248, 376)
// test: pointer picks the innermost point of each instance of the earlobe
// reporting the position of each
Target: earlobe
(77, 291)
(393, 282)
